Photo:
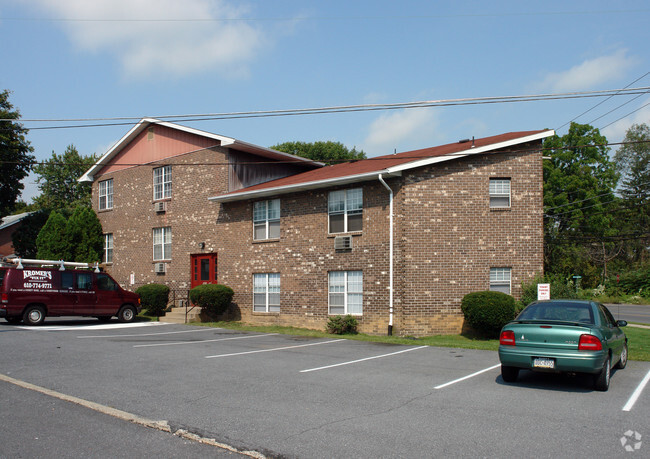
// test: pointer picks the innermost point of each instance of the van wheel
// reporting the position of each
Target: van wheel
(126, 314)
(34, 315)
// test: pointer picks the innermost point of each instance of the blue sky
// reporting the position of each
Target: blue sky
(134, 58)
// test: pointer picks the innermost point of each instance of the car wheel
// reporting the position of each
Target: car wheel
(623, 362)
(509, 374)
(126, 314)
(601, 381)
(34, 315)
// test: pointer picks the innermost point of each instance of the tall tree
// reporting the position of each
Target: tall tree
(52, 242)
(633, 162)
(57, 180)
(15, 158)
(326, 152)
(579, 184)
(84, 233)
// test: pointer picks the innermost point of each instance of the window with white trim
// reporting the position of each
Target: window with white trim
(500, 193)
(162, 183)
(500, 280)
(346, 292)
(266, 220)
(108, 248)
(162, 243)
(345, 208)
(106, 194)
(266, 292)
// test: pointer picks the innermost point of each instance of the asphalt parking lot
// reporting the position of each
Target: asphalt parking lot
(288, 396)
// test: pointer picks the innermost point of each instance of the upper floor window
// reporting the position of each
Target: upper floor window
(162, 183)
(346, 292)
(162, 243)
(106, 194)
(345, 209)
(500, 280)
(108, 248)
(266, 220)
(500, 193)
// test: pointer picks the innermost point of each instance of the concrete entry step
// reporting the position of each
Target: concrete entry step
(177, 316)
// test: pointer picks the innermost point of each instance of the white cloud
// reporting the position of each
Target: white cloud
(590, 73)
(401, 130)
(164, 44)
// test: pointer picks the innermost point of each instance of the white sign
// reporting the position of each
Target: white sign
(132, 279)
(543, 292)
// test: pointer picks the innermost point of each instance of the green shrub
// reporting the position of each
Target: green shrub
(214, 298)
(488, 312)
(154, 298)
(342, 325)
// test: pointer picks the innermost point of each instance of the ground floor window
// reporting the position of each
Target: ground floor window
(346, 292)
(500, 280)
(266, 292)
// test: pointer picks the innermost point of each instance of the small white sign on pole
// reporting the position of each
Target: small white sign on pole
(543, 292)
(132, 278)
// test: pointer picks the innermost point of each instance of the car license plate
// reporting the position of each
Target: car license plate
(544, 363)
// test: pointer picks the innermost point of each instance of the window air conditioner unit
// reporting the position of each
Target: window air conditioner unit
(342, 242)
(160, 268)
(160, 207)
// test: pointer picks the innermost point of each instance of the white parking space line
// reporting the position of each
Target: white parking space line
(467, 377)
(274, 349)
(93, 327)
(149, 334)
(637, 393)
(180, 343)
(362, 360)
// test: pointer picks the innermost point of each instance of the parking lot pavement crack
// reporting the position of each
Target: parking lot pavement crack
(361, 416)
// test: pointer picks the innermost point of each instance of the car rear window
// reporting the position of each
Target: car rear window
(569, 312)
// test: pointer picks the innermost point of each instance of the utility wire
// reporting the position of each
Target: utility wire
(336, 109)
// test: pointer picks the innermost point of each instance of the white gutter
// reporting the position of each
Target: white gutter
(390, 191)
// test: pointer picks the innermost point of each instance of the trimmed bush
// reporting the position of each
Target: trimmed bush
(342, 325)
(488, 312)
(154, 298)
(214, 298)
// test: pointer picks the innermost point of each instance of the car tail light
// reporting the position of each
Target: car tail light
(589, 343)
(5, 298)
(507, 338)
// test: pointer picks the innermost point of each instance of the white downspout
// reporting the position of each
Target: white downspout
(390, 321)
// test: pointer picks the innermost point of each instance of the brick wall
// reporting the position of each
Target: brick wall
(189, 213)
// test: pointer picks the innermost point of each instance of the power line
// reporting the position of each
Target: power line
(601, 102)
(625, 116)
(103, 122)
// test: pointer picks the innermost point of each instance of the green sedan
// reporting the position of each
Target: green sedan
(559, 336)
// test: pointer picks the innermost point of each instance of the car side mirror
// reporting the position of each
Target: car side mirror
(621, 323)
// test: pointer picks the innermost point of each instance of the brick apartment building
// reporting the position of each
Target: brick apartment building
(396, 240)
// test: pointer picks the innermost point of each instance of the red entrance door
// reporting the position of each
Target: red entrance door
(204, 269)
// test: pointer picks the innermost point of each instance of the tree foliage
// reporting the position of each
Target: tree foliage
(326, 152)
(579, 184)
(77, 238)
(15, 155)
(52, 242)
(58, 180)
(24, 240)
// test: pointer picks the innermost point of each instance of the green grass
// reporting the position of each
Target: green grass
(638, 338)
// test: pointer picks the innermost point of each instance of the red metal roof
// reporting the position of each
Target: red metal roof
(383, 163)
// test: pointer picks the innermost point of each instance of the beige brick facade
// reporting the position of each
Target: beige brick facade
(446, 238)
